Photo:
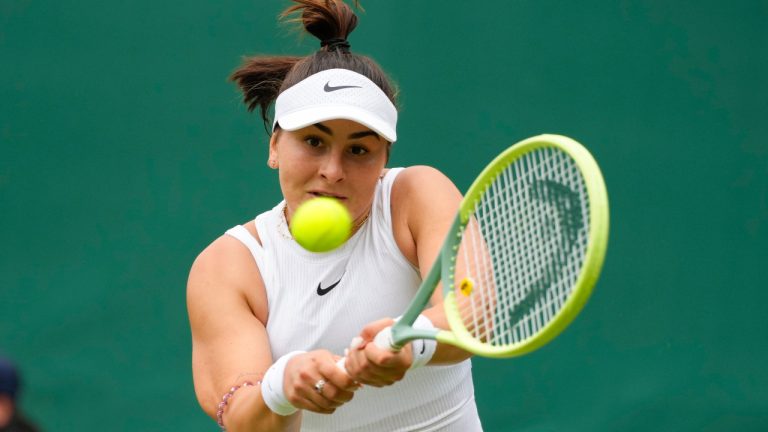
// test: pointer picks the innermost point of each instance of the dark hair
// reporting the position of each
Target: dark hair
(9, 378)
(263, 78)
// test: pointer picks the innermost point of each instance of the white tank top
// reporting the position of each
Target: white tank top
(323, 300)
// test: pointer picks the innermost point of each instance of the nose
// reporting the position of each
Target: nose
(332, 168)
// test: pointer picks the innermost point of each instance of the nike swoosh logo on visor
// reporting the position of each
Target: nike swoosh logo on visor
(328, 88)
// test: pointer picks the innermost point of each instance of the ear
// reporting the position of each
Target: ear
(273, 145)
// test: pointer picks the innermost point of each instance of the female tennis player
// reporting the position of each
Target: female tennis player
(270, 320)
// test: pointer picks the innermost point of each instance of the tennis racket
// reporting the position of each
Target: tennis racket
(522, 255)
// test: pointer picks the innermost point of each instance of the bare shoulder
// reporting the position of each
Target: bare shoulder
(423, 204)
(225, 274)
(420, 175)
(423, 186)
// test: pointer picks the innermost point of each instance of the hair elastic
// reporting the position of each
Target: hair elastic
(336, 44)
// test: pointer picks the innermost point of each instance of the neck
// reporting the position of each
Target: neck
(360, 221)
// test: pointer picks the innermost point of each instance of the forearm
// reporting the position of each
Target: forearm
(246, 411)
(444, 354)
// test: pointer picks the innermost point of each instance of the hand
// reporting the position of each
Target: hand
(304, 371)
(379, 367)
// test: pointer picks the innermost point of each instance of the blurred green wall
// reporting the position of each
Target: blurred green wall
(125, 151)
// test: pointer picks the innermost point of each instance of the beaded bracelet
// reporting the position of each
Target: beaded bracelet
(225, 401)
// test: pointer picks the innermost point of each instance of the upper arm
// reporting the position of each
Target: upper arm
(227, 308)
(424, 205)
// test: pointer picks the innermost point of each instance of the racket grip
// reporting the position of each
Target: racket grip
(384, 340)
(356, 341)
(341, 366)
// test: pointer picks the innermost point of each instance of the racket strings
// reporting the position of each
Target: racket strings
(523, 248)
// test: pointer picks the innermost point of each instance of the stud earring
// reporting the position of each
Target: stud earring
(272, 163)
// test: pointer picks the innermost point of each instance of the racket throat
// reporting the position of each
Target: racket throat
(401, 334)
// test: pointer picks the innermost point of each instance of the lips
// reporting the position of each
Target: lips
(326, 194)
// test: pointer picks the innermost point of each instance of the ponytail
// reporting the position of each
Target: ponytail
(260, 80)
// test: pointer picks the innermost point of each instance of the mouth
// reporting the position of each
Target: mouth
(316, 194)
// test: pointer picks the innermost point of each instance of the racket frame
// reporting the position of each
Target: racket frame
(443, 269)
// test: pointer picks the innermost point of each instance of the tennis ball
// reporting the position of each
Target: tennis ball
(321, 224)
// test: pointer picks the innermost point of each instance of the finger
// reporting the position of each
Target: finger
(370, 331)
(386, 359)
(317, 395)
(357, 343)
(335, 395)
(310, 405)
(338, 378)
(377, 380)
(363, 370)
(385, 367)
(353, 364)
(370, 374)
(304, 396)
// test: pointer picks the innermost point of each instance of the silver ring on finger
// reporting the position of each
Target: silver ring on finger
(319, 385)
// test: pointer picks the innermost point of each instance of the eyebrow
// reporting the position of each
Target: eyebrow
(354, 135)
(362, 134)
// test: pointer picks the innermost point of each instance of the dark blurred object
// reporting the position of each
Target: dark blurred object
(11, 418)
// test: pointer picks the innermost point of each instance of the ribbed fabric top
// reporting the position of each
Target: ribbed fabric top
(373, 280)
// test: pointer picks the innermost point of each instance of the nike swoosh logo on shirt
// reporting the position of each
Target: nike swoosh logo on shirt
(323, 291)
(328, 88)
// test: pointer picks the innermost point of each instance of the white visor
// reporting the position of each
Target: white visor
(336, 94)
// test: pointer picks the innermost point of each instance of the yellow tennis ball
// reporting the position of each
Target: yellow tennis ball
(321, 224)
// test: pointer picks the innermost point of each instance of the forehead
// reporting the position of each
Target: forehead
(341, 128)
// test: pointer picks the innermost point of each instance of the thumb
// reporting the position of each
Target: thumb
(372, 329)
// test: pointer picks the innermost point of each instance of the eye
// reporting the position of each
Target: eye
(358, 150)
(313, 141)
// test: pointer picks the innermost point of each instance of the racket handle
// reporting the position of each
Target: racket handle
(356, 341)
(382, 340)
(341, 366)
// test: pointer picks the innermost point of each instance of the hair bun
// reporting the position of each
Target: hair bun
(324, 19)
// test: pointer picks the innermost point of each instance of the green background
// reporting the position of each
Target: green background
(125, 151)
